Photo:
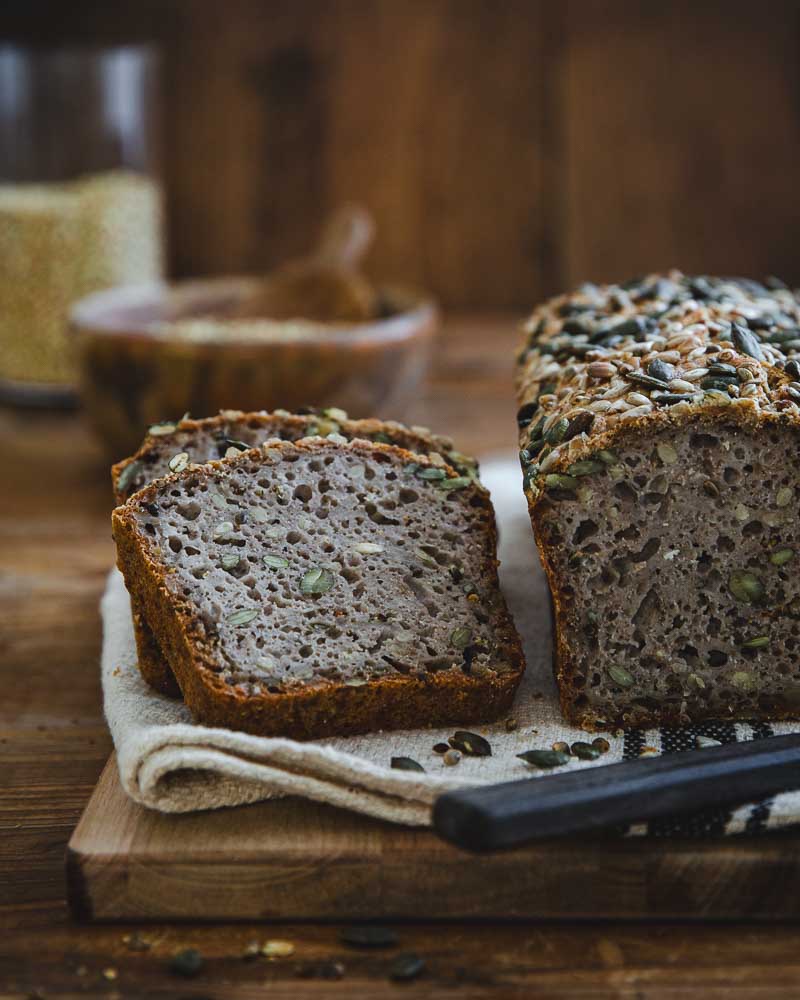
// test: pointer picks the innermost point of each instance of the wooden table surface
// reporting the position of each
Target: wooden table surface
(55, 550)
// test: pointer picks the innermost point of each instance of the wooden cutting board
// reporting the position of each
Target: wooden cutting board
(296, 859)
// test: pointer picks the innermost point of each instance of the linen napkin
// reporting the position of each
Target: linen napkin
(168, 763)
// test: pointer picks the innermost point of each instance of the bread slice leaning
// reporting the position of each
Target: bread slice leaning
(172, 445)
(322, 588)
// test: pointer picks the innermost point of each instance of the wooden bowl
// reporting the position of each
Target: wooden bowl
(136, 369)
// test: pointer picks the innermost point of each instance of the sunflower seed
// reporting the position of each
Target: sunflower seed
(277, 949)
(162, 429)
(223, 529)
(746, 342)
(470, 743)
(230, 560)
(368, 548)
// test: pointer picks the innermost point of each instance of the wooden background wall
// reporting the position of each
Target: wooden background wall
(508, 148)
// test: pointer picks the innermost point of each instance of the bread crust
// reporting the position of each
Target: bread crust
(563, 390)
(310, 712)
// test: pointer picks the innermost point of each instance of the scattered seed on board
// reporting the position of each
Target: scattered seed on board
(511, 724)
(601, 744)
(584, 751)
(277, 949)
(706, 741)
(406, 764)
(470, 743)
(560, 746)
(544, 759)
(441, 748)
(187, 963)
(406, 967)
(451, 757)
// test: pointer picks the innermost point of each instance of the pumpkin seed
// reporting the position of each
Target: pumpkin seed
(430, 472)
(406, 764)
(544, 759)
(757, 642)
(667, 453)
(406, 967)
(230, 560)
(243, 616)
(186, 963)
(781, 556)
(461, 637)
(317, 581)
(620, 675)
(456, 483)
(586, 467)
(584, 751)
(470, 743)
(557, 431)
(607, 457)
(128, 475)
(275, 562)
(557, 481)
(745, 586)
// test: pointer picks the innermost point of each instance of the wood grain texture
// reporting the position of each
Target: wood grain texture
(508, 150)
(295, 859)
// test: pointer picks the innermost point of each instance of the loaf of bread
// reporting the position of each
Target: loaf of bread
(659, 427)
(175, 446)
(323, 587)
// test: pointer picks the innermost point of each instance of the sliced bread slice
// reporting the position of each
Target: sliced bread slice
(323, 587)
(171, 446)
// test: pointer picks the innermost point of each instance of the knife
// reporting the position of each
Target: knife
(497, 817)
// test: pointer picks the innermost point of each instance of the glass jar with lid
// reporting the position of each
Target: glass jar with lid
(80, 199)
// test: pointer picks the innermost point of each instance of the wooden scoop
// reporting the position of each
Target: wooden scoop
(325, 286)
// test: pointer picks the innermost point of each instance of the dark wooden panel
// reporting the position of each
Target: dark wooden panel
(682, 138)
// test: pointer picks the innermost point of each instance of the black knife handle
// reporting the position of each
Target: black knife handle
(495, 817)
